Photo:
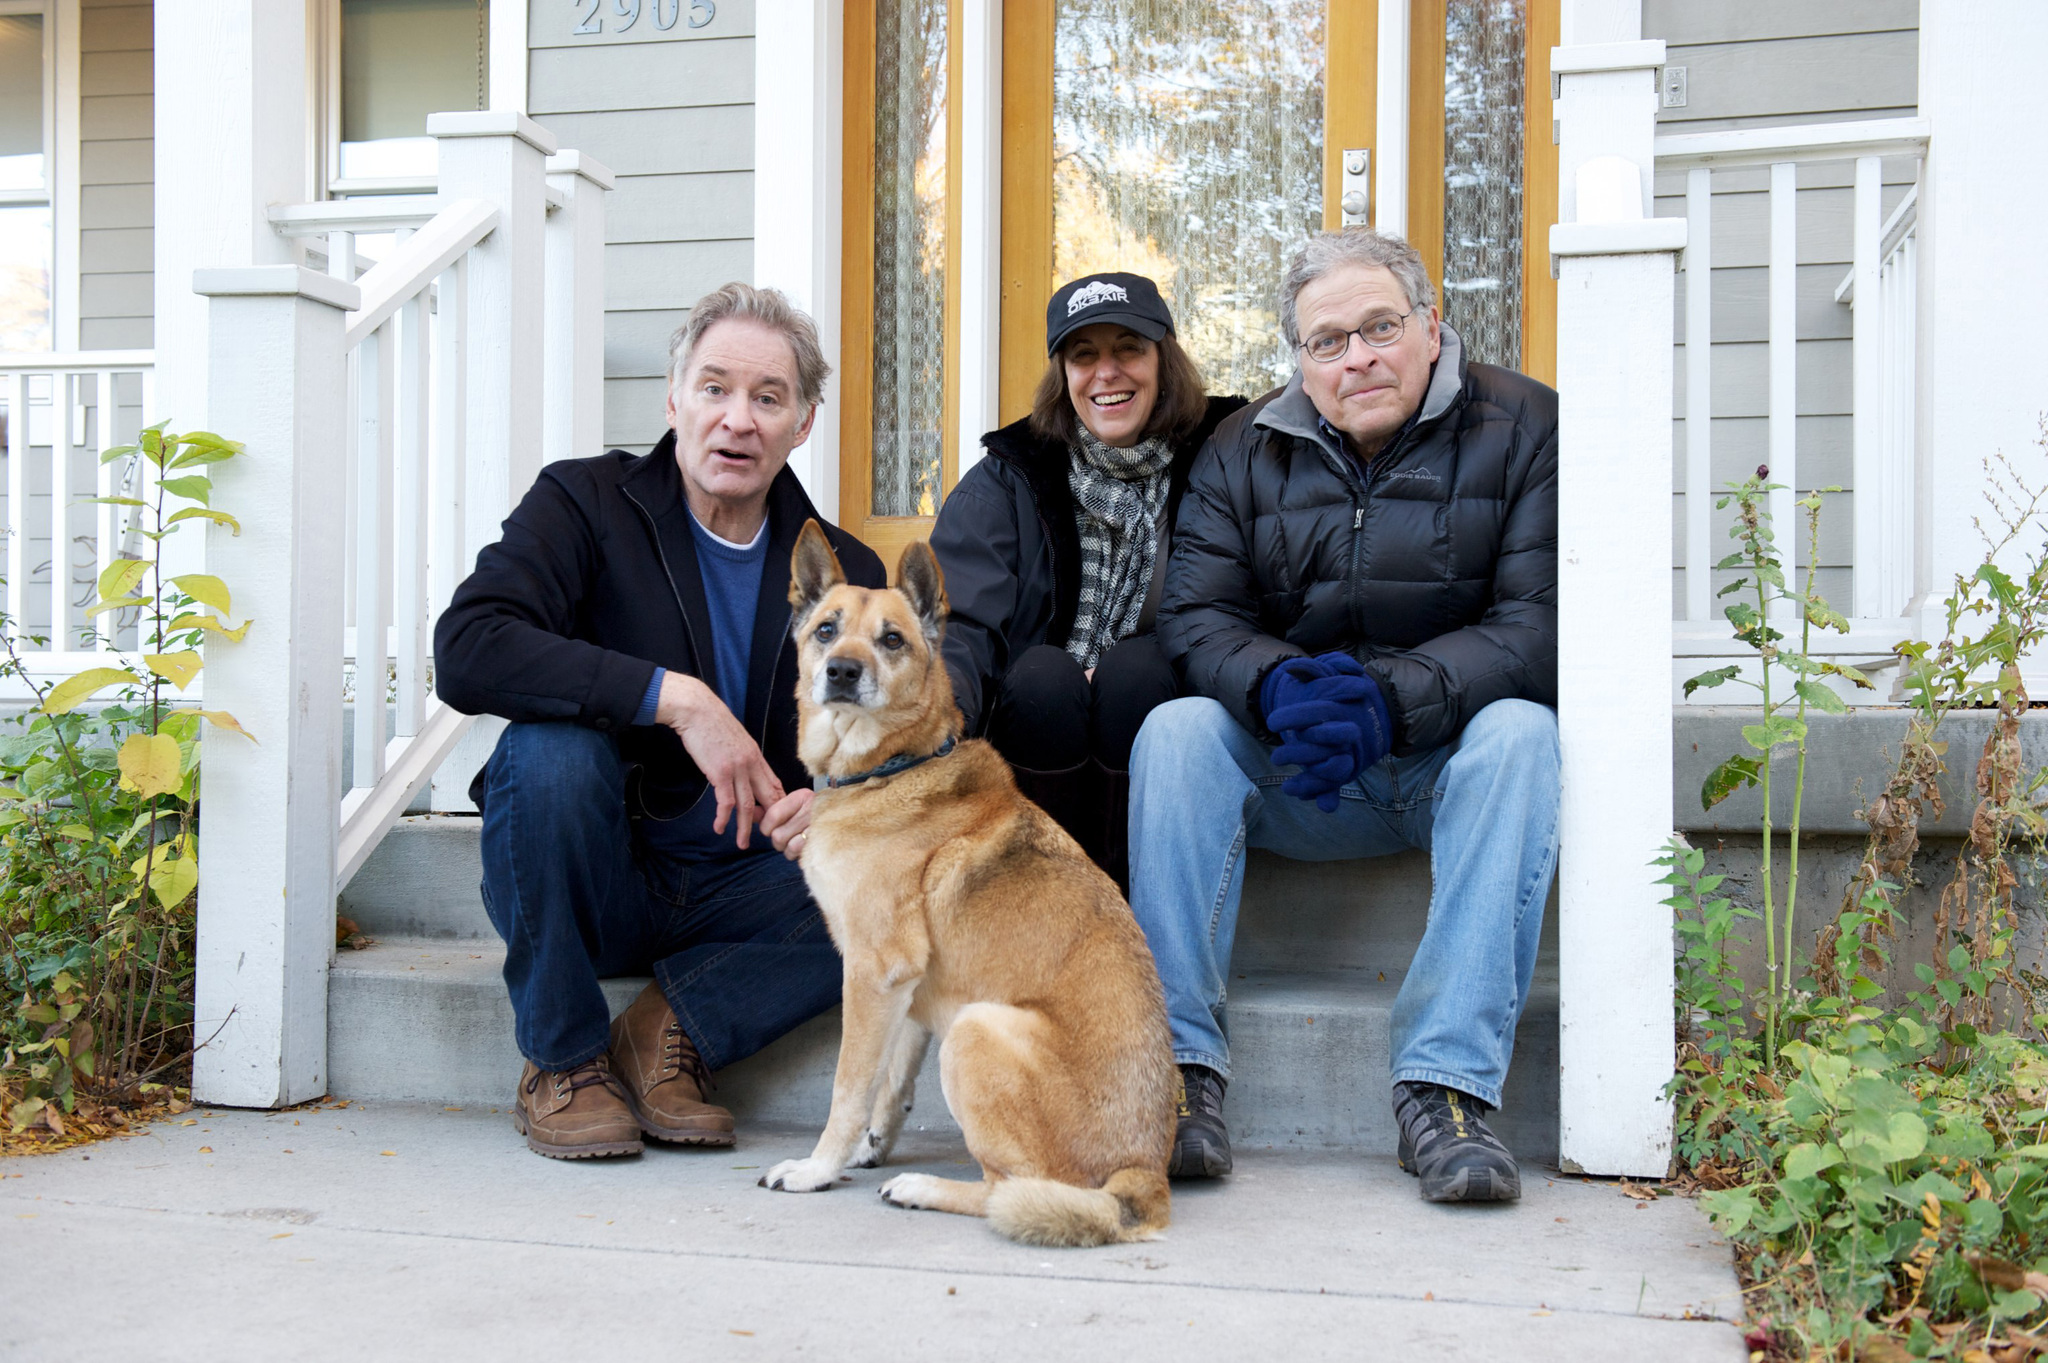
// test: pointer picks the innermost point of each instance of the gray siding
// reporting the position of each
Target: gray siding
(1755, 63)
(117, 99)
(672, 114)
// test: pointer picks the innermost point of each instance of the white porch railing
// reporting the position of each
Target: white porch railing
(393, 417)
(1880, 287)
(62, 411)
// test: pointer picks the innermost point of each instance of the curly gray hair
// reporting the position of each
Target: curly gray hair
(1325, 251)
(772, 309)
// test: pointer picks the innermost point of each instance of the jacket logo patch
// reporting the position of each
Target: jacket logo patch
(1420, 474)
(1101, 291)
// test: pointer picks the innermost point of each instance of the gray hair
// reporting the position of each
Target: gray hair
(772, 309)
(1325, 251)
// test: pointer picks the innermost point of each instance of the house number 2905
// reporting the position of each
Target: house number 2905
(665, 13)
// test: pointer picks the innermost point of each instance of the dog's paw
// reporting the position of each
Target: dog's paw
(909, 1190)
(872, 1151)
(800, 1176)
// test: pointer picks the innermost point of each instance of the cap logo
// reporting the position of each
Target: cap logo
(1101, 291)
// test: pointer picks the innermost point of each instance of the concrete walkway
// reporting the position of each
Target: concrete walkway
(399, 1231)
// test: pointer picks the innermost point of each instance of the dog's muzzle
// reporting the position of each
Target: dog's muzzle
(842, 679)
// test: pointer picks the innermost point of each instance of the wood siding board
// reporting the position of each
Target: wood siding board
(634, 411)
(1837, 535)
(117, 205)
(1826, 454)
(707, 207)
(683, 141)
(116, 117)
(672, 274)
(1742, 379)
(1742, 235)
(636, 343)
(651, 75)
(117, 73)
(128, 162)
(117, 28)
(116, 295)
(551, 24)
(117, 250)
(1741, 305)
(1810, 77)
(1690, 21)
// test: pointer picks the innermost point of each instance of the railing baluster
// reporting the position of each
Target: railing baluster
(1699, 393)
(107, 521)
(1902, 318)
(448, 558)
(409, 597)
(17, 503)
(63, 436)
(376, 425)
(1784, 360)
(1866, 424)
(341, 254)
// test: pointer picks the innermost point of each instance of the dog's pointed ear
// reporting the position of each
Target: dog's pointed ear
(813, 569)
(918, 578)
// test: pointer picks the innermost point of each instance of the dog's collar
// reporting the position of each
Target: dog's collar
(902, 762)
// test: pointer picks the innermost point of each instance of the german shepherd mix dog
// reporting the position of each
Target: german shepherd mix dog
(964, 912)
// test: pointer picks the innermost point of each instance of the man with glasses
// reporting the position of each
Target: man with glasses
(1362, 600)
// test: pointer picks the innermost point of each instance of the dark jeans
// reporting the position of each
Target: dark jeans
(738, 948)
(1049, 716)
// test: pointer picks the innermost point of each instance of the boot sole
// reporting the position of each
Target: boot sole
(598, 1150)
(678, 1135)
(1198, 1160)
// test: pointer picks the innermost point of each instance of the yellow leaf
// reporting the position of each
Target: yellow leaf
(116, 603)
(211, 623)
(169, 881)
(177, 668)
(220, 719)
(151, 765)
(65, 696)
(206, 589)
(121, 576)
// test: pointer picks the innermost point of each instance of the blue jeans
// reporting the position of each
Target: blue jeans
(741, 953)
(1203, 790)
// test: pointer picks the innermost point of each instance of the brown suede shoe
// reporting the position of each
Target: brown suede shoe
(665, 1077)
(575, 1114)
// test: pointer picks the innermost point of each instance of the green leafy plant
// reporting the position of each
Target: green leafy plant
(97, 820)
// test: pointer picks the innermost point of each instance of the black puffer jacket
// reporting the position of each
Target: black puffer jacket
(1010, 548)
(1437, 569)
(594, 584)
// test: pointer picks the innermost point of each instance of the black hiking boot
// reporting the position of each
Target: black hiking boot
(1445, 1143)
(1201, 1147)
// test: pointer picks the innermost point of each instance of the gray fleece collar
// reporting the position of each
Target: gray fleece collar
(1294, 412)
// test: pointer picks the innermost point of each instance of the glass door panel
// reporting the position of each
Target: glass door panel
(1484, 46)
(1188, 146)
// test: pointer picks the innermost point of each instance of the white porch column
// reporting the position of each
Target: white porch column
(1983, 294)
(573, 401)
(266, 901)
(798, 88)
(221, 160)
(1614, 380)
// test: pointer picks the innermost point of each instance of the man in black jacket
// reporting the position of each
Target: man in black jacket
(633, 625)
(1362, 598)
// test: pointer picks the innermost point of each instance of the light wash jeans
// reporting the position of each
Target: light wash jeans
(1203, 790)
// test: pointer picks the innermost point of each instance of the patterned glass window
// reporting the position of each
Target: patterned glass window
(910, 255)
(1482, 285)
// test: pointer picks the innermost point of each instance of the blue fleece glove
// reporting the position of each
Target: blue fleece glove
(1332, 721)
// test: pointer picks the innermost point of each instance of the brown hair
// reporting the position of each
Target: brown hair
(1183, 398)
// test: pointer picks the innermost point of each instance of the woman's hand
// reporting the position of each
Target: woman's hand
(788, 821)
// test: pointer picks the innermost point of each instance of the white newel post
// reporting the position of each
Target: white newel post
(266, 900)
(797, 85)
(499, 156)
(1614, 380)
(573, 397)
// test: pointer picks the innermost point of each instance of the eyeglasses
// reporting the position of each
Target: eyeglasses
(1378, 331)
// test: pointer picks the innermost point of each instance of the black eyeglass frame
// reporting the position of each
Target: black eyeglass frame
(1359, 332)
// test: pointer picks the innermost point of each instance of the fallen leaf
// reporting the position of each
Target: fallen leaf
(1429, 1296)
(740, 1332)
(1638, 1191)
(189, 1121)
(283, 1235)
(387, 1152)
(205, 1149)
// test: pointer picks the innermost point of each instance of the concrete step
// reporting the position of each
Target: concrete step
(421, 882)
(429, 1019)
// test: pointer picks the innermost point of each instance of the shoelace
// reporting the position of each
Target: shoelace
(593, 1071)
(684, 1058)
(1200, 1092)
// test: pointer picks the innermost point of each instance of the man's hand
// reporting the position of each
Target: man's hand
(722, 749)
(1332, 721)
(788, 821)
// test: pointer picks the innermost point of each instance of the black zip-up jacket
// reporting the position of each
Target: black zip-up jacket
(1010, 548)
(1436, 567)
(594, 584)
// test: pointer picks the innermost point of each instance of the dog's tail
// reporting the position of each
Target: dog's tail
(1133, 1205)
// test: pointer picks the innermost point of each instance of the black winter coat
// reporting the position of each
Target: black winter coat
(1010, 548)
(1436, 567)
(594, 584)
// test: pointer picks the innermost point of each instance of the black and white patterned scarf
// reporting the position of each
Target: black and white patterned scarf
(1120, 495)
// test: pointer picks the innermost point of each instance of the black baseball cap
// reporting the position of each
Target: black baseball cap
(1129, 299)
